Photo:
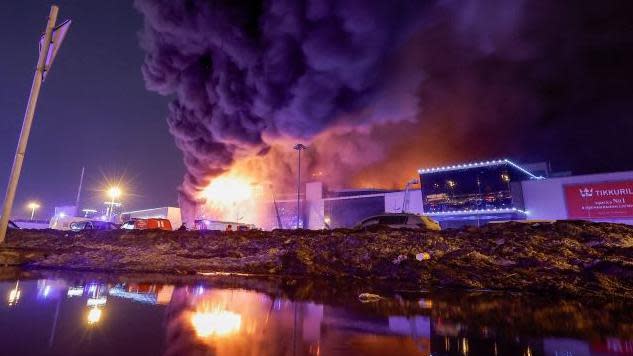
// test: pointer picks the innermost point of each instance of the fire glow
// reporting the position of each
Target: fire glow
(230, 198)
(228, 190)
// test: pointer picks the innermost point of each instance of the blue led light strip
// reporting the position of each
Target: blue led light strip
(478, 164)
(477, 212)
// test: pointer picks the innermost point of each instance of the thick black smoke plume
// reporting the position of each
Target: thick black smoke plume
(382, 87)
(246, 74)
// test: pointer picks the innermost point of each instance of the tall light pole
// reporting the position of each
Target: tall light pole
(33, 206)
(113, 193)
(299, 147)
(49, 45)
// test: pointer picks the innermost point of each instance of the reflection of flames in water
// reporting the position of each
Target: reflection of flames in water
(215, 322)
(231, 197)
(231, 322)
(227, 321)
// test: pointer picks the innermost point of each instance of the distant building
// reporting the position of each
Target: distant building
(473, 193)
(66, 211)
(606, 197)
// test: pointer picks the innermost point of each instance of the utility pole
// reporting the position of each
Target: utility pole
(407, 191)
(299, 147)
(43, 64)
(81, 181)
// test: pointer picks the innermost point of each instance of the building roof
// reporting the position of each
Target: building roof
(470, 165)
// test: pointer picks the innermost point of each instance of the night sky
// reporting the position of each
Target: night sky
(528, 80)
(93, 109)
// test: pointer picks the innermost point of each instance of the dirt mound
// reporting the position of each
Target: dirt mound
(567, 257)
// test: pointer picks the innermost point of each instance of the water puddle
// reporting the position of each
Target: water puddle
(53, 313)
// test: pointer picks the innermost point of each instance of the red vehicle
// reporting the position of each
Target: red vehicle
(147, 224)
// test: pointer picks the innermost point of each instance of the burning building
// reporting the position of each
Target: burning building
(473, 193)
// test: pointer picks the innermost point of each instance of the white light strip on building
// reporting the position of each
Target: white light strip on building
(477, 212)
(523, 170)
(475, 165)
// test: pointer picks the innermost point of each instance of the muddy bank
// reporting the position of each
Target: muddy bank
(564, 258)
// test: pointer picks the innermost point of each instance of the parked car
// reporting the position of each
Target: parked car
(92, 225)
(146, 224)
(401, 220)
(63, 222)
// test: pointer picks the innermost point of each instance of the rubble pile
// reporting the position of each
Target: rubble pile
(562, 258)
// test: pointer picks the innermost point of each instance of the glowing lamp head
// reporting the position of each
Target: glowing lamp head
(114, 192)
(33, 205)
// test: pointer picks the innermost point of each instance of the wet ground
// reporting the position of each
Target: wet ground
(62, 313)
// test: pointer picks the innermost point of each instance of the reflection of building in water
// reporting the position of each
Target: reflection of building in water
(200, 320)
(143, 293)
(453, 338)
(234, 322)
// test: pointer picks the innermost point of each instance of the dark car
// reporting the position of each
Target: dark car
(93, 225)
(400, 220)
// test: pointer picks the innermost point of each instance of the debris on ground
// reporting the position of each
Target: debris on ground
(563, 258)
(369, 297)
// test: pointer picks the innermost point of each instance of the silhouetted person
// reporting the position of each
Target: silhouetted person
(229, 228)
(182, 227)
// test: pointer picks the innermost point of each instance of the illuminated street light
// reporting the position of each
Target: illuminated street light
(33, 206)
(113, 193)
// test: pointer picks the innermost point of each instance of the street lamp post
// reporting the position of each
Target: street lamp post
(33, 206)
(299, 147)
(49, 44)
(113, 193)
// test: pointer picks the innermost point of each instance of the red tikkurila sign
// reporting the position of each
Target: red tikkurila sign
(600, 200)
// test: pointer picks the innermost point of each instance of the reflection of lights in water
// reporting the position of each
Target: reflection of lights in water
(216, 322)
(92, 288)
(75, 292)
(47, 291)
(465, 346)
(425, 303)
(14, 295)
(94, 315)
(96, 301)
